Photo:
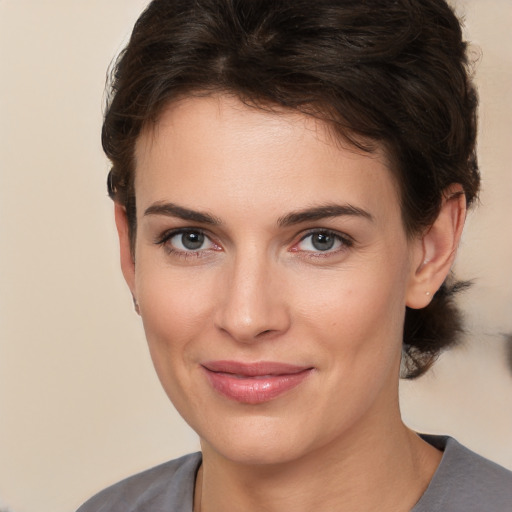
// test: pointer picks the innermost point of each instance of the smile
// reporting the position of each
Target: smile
(254, 383)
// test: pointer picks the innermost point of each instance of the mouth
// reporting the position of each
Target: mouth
(254, 383)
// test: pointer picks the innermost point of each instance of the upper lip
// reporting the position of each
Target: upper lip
(256, 369)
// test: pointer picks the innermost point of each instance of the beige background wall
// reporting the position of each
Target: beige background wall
(79, 404)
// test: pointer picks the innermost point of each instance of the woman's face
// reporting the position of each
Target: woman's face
(272, 272)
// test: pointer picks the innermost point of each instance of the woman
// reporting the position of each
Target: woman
(291, 182)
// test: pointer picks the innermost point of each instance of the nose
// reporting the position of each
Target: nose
(253, 306)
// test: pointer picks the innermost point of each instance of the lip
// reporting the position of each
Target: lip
(254, 383)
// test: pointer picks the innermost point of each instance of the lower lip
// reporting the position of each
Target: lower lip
(254, 390)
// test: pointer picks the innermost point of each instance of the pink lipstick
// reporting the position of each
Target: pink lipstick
(254, 383)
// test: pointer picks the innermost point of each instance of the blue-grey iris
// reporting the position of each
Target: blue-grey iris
(322, 241)
(192, 240)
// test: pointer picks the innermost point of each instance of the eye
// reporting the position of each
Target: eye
(186, 241)
(322, 241)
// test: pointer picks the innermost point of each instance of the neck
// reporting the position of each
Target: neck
(387, 469)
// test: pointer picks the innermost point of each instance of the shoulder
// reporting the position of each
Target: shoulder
(169, 486)
(465, 481)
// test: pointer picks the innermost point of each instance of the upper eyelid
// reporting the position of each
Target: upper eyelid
(342, 236)
(169, 233)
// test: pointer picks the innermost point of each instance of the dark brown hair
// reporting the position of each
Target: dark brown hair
(393, 73)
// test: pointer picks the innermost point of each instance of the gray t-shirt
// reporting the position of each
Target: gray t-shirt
(463, 482)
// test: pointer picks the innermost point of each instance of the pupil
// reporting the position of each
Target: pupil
(323, 242)
(192, 240)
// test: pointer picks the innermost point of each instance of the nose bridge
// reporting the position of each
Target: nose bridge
(252, 306)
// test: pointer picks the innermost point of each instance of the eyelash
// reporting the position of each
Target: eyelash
(344, 240)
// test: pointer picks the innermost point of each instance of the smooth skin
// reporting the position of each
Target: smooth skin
(261, 237)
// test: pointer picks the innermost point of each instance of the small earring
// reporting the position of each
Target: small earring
(136, 305)
(427, 294)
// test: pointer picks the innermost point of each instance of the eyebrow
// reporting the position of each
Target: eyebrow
(173, 210)
(290, 219)
(323, 212)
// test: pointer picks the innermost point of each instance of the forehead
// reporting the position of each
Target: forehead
(229, 109)
(253, 156)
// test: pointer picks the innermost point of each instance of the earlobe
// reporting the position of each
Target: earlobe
(126, 257)
(437, 249)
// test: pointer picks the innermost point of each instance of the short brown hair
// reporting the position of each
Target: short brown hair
(392, 73)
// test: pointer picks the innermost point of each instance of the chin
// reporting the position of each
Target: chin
(255, 452)
(261, 440)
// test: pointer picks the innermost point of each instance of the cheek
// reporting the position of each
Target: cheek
(358, 312)
(175, 306)
(176, 310)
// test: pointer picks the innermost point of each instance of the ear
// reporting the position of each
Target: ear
(127, 262)
(436, 249)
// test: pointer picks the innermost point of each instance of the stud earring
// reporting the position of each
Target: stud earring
(427, 294)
